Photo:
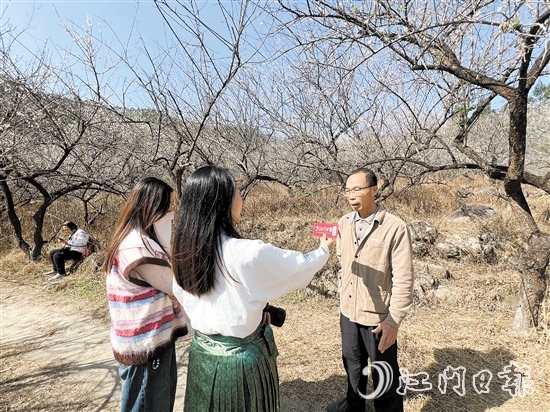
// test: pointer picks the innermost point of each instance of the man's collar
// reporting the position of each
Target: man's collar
(354, 216)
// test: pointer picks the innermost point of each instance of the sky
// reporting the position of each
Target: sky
(45, 18)
(42, 21)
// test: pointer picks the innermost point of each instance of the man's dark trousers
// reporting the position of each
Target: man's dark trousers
(358, 345)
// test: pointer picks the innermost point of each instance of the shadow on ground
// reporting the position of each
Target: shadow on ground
(475, 387)
(46, 383)
(302, 396)
(459, 391)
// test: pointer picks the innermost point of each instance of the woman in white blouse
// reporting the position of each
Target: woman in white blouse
(224, 282)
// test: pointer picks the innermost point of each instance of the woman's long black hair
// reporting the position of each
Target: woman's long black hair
(204, 214)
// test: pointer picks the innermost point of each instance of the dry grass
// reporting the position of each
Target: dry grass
(468, 327)
(430, 341)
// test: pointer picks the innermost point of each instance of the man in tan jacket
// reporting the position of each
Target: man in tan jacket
(376, 291)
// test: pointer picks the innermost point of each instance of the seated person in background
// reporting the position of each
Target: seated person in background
(74, 247)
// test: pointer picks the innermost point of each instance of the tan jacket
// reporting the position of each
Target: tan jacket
(377, 273)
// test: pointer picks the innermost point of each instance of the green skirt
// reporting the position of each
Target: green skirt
(229, 374)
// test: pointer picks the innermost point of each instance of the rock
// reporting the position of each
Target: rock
(438, 272)
(450, 294)
(482, 246)
(423, 232)
(513, 259)
(463, 194)
(472, 211)
(424, 286)
(426, 282)
(418, 292)
(456, 246)
(325, 283)
(471, 246)
(419, 249)
(487, 237)
(489, 253)
(419, 267)
(331, 287)
(448, 250)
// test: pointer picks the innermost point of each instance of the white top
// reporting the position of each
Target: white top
(263, 273)
(163, 230)
(78, 240)
(160, 277)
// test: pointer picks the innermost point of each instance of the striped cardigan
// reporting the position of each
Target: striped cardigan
(144, 320)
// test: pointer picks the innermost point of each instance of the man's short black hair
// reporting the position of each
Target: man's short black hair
(371, 178)
(71, 225)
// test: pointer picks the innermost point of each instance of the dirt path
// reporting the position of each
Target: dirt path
(58, 355)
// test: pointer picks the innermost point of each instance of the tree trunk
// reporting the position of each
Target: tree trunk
(39, 224)
(532, 265)
(533, 282)
(14, 219)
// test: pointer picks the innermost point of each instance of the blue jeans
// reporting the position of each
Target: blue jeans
(150, 387)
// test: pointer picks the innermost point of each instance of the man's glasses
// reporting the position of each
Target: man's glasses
(355, 190)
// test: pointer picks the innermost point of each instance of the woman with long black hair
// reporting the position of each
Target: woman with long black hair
(224, 283)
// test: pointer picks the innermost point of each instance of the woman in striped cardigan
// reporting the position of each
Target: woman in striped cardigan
(145, 320)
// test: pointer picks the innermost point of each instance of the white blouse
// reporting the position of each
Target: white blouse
(78, 240)
(262, 273)
(163, 230)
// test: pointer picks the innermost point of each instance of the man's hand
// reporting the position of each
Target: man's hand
(389, 335)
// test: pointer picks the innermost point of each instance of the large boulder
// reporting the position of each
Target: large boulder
(423, 232)
(419, 249)
(424, 287)
(438, 271)
(448, 250)
(457, 246)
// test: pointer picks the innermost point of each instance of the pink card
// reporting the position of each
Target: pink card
(329, 229)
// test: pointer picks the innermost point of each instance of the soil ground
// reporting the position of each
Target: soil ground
(57, 357)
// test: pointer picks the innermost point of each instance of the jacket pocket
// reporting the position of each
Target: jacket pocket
(374, 301)
(374, 254)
